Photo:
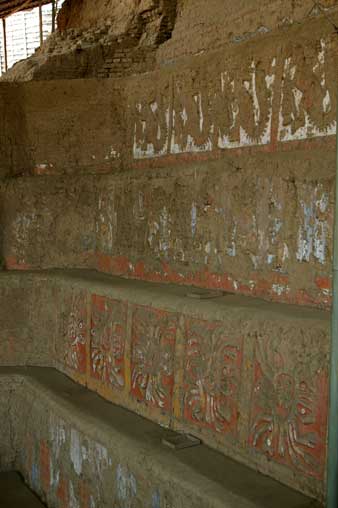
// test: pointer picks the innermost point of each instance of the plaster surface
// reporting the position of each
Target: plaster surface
(81, 442)
(246, 376)
(14, 493)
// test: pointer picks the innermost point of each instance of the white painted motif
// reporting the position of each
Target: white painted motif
(302, 125)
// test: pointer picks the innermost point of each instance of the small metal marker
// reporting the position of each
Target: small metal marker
(205, 295)
(180, 441)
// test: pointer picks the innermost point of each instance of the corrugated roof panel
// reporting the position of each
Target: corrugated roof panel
(23, 34)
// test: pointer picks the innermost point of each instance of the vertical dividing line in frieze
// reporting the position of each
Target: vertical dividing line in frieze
(246, 384)
(127, 351)
(277, 98)
(171, 111)
(41, 23)
(176, 411)
(5, 43)
(89, 335)
(332, 447)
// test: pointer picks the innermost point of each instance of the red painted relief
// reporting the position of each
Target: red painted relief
(276, 289)
(152, 362)
(75, 329)
(62, 491)
(289, 411)
(212, 375)
(107, 343)
(45, 466)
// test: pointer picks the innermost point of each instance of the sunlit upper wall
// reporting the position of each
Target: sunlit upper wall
(23, 34)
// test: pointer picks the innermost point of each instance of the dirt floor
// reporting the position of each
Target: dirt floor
(15, 494)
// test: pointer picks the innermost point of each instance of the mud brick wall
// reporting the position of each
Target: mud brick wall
(75, 450)
(69, 462)
(226, 21)
(28, 314)
(209, 225)
(53, 128)
(215, 171)
(219, 174)
(250, 380)
(50, 222)
(72, 126)
(12, 143)
(200, 371)
(271, 96)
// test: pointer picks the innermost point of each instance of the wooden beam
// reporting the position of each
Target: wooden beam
(41, 24)
(53, 15)
(5, 43)
(10, 7)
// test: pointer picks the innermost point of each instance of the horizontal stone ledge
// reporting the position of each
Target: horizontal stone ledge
(88, 451)
(216, 305)
(13, 492)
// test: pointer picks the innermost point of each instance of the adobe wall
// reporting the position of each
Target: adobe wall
(73, 449)
(248, 378)
(216, 172)
(225, 21)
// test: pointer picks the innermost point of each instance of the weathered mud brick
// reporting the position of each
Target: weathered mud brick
(107, 342)
(152, 358)
(212, 375)
(16, 343)
(75, 330)
(289, 403)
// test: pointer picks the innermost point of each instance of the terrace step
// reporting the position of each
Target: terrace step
(15, 494)
(247, 377)
(69, 442)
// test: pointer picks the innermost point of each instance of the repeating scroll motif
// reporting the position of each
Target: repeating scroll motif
(212, 376)
(107, 344)
(153, 346)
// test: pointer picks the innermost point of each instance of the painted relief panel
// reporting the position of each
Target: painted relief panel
(230, 109)
(289, 406)
(212, 371)
(192, 129)
(153, 350)
(314, 234)
(308, 97)
(150, 119)
(106, 218)
(107, 342)
(75, 330)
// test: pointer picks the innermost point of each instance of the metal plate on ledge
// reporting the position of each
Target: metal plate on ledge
(177, 441)
(200, 294)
